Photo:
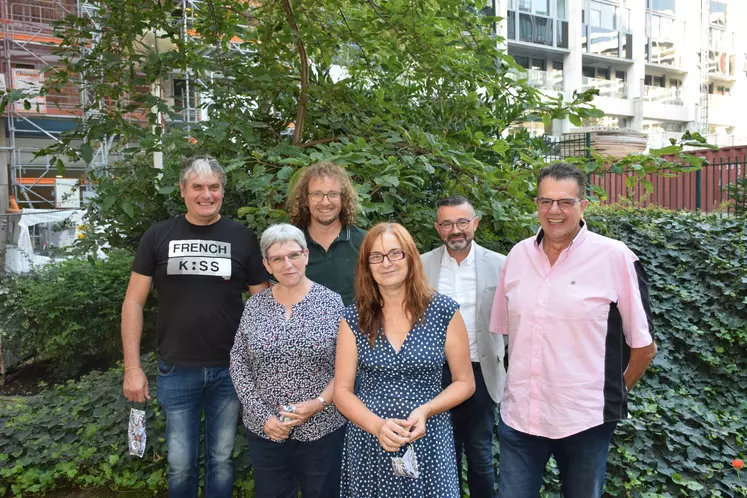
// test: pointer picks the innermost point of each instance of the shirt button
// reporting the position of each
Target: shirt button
(536, 354)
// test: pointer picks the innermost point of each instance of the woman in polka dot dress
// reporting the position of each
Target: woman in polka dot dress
(396, 338)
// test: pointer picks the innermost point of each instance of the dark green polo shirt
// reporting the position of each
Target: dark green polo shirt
(335, 268)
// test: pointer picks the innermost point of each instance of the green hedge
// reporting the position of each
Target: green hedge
(688, 414)
(68, 312)
(75, 434)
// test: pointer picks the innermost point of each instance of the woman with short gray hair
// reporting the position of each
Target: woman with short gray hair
(282, 366)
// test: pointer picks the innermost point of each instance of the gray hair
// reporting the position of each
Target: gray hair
(564, 171)
(201, 166)
(279, 234)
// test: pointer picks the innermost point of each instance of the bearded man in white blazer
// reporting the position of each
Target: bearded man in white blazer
(468, 273)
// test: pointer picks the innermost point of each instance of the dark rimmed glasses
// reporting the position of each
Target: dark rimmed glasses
(376, 258)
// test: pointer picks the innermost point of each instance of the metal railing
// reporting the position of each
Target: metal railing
(607, 88)
(543, 80)
(711, 188)
(671, 95)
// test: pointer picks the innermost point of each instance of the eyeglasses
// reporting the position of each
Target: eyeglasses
(545, 204)
(292, 256)
(331, 195)
(376, 258)
(460, 224)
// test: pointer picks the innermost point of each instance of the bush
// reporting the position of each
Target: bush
(76, 435)
(688, 414)
(68, 311)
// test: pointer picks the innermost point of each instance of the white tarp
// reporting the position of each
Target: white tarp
(21, 258)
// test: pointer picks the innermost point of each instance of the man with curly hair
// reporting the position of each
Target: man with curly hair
(324, 204)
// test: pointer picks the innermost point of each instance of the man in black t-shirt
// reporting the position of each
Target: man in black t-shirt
(200, 264)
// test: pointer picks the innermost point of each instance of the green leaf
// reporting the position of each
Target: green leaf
(128, 208)
(387, 181)
(575, 120)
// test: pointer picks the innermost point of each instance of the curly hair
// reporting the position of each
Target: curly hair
(368, 301)
(298, 202)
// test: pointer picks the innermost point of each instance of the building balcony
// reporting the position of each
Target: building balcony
(542, 80)
(36, 17)
(616, 89)
(671, 95)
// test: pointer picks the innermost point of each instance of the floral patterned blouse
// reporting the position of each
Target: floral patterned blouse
(277, 362)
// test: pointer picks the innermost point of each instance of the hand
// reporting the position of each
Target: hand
(417, 420)
(277, 430)
(304, 411)
(392, 434)
(135, 385)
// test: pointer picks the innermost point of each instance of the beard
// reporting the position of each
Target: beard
(458, 245)
(326, 219)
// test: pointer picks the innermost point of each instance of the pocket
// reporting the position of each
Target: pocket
(165, 368)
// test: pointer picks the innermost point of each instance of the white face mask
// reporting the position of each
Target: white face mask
(407, 465)
(136, 432)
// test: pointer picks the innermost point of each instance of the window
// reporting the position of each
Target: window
(595, 14)
(625, 20)
(718, 13)
(561, 10)
(562, 34)
(663, 6)
(538, 64)
(675, 83)
(588, 72)
(522, 61)
(525, 5)
(608, 16)
(542, 7)
(620, 75)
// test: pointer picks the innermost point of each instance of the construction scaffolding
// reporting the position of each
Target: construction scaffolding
(27, 42)
(705, 48)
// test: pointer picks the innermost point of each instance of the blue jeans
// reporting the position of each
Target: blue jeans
(183, 393)
(473, 435)
(281, 468)
(581, 459)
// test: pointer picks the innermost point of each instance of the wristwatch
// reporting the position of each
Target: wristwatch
(325, 405)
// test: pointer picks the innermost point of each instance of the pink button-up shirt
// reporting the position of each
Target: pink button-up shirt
(570, 327)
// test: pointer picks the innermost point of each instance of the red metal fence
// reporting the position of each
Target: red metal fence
(710, 189)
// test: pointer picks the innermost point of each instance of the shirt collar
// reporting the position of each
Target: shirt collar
(468, 261)
(344, 235)
(580, 236)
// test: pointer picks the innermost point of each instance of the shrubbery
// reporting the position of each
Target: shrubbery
(67, 312)
(687, 415)
(76, 434)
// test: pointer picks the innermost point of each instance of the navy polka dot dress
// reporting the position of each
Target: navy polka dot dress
(392, 385)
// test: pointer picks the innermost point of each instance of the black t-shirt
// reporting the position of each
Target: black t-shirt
(200, 273)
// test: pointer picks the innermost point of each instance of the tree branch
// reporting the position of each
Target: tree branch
(352, 35)
(320, 141)
(303, 98)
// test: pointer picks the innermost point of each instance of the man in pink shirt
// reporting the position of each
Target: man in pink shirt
(575, 307)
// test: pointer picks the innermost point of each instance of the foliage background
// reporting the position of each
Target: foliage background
(688, 412)
(68, 313)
